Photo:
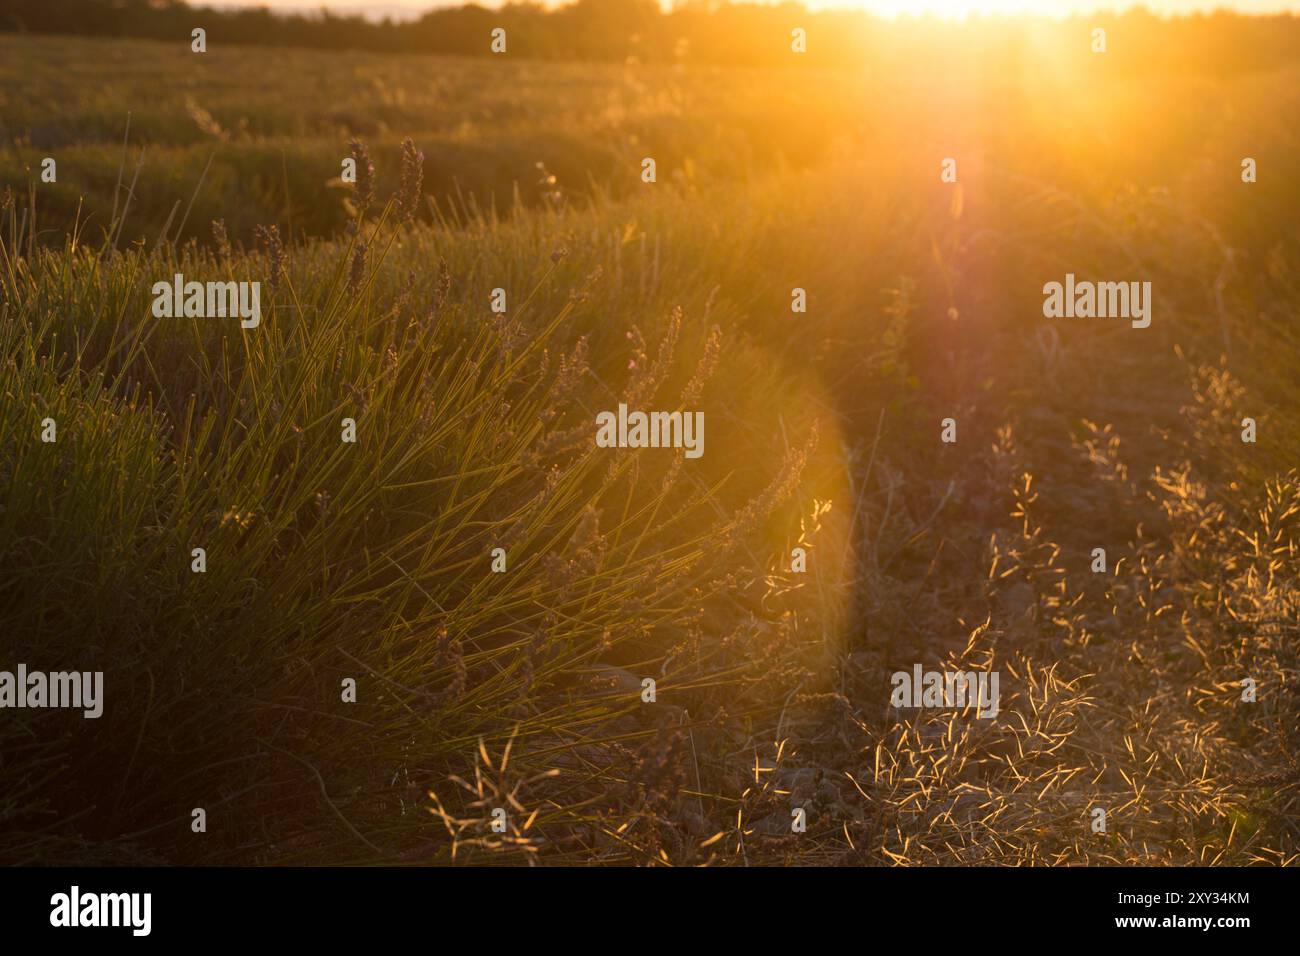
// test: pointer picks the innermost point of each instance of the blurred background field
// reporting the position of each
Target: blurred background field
(522, 690)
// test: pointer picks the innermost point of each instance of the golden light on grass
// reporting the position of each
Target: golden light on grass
(518, 686)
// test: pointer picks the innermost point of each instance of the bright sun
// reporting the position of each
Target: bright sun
(958, 9)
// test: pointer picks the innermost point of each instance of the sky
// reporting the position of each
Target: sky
(402, 9)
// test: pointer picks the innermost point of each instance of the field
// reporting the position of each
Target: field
(477, 689)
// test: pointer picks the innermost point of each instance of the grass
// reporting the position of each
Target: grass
(275, 150)
(522, 690)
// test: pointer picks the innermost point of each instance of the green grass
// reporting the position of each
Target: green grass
(522, 690)
(275, 148)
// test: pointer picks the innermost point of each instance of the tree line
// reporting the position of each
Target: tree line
(706, 31)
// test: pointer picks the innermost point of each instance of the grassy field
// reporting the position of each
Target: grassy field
(522, 690)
